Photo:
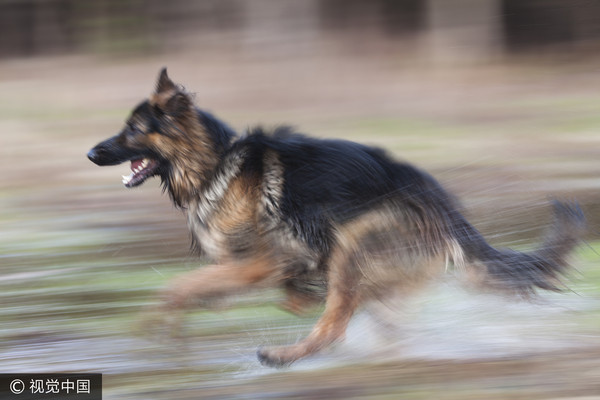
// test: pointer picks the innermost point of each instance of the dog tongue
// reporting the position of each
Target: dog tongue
(135, 164)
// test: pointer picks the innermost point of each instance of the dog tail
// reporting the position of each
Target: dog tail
(519, 272)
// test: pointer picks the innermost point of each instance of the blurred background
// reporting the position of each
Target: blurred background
(498, 99)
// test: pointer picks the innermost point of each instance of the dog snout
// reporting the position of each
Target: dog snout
(110, 152)
(100, 156)
(93, 155)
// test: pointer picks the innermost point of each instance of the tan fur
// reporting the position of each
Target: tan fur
(342, 299)
(238, 206)
(235, 217)
(298, 302)
(245, 217)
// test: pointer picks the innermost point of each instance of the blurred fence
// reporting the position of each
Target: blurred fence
(453, 27)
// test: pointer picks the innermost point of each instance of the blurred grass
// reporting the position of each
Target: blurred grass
(82, 258)
(91, 300)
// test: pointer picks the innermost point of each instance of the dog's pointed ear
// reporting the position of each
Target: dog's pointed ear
(164, 83)
(178, 104)
(169, 97)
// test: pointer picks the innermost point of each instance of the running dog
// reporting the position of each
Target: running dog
(325, 220)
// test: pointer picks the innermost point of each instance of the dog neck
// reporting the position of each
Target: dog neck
(207, 199)
(204, 166)
(185, 179)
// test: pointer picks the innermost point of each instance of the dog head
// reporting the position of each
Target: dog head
(160, 134)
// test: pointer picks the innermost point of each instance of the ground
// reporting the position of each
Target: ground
(82, 256)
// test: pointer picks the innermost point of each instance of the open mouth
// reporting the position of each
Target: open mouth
(142, 169)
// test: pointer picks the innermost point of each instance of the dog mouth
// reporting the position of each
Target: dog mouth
(142, 169)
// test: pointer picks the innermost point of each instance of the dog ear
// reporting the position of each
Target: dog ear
(178, 104)
(165, 84)
(169, 97)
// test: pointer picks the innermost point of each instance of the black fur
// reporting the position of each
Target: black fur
(316, 217)
(329, 182)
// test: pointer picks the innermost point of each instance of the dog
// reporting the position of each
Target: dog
(321, 219)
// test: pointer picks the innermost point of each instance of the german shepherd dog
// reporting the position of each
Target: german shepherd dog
(321, 219)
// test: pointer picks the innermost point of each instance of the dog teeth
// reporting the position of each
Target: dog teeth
(127, 179)
(140, 168)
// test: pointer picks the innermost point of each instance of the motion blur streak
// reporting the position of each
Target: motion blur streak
(498, 99)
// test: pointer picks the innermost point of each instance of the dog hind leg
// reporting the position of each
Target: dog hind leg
(380, 251)
(341, 302)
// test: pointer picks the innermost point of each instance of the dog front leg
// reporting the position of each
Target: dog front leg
(214, 281)
(209, 282)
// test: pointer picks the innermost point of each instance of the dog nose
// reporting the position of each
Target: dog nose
(92, 155)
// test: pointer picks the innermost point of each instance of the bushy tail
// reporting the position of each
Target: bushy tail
(519, 272)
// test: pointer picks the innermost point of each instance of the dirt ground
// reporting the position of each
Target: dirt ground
(81, 256)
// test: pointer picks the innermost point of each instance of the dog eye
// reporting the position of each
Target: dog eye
(133, 129)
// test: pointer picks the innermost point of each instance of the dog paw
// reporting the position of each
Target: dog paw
(276, 357)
